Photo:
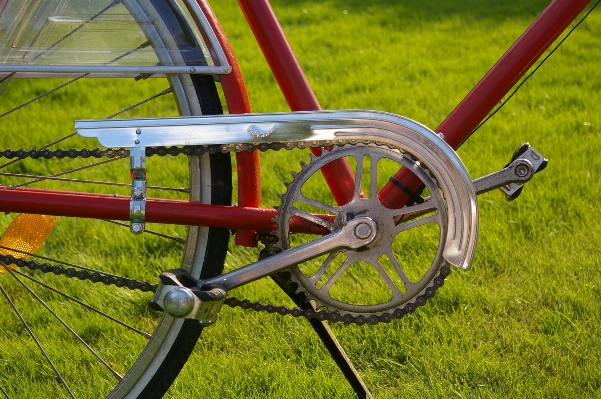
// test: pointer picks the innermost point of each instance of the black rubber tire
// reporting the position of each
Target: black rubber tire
(217, 244)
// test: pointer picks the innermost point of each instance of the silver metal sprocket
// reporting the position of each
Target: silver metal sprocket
(377, 278)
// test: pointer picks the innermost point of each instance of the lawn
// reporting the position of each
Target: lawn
(522, 322)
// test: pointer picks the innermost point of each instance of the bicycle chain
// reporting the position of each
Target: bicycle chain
(233, 302)
(95, 277)
(335, 317)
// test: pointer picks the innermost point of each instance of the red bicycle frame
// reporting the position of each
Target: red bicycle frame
(248, 217)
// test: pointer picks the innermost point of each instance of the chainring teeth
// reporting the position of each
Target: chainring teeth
(285, 210)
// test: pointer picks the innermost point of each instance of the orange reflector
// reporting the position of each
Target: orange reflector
(26, 233)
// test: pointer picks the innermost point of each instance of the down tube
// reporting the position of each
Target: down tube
(462, 121)
(294, 85)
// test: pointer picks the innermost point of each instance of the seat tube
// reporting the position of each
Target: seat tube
(294, 85)
(236, 96)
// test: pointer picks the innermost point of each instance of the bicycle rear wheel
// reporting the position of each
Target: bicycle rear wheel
(140, 354)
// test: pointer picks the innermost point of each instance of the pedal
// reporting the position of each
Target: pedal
(179, 295)
(525, 162)
(513, 190)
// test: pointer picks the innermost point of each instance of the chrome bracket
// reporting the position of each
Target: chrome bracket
(137, 203)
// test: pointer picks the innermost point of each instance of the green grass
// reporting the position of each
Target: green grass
(522, 322)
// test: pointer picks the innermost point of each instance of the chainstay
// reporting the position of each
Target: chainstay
(108, 279)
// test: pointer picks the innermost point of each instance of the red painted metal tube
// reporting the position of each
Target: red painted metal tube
(105, 206)
(236, 96)
(294, 84)
(482, 99)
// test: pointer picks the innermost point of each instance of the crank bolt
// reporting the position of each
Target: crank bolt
(179, 302)
(522, 170)
(362, 231)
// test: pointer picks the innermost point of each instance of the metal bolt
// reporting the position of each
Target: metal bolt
(137, 228)
(136, 141)
(138, 131)
(179, 302)
(138, 192)
(362, 231)
(192, 70)
(522, 170)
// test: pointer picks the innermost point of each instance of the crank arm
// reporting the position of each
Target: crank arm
(526, 161)
(354, 234)
(519, 172)
(180, 295)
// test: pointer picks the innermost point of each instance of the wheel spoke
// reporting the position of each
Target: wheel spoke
(102, 183)
(60, 320)
(4, 392)
(5, 81)
(68, 171)
(75, 30)
(124, 110)
(18, 107)
(85, 305)
(37, 342)
(88, 269)
(177, 239)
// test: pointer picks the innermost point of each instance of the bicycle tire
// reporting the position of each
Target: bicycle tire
(210, 182)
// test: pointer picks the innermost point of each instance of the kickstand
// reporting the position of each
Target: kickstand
(327, 337)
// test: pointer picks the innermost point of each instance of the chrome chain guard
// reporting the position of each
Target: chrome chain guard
(335, 127)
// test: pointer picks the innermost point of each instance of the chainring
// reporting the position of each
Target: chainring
(383, 276)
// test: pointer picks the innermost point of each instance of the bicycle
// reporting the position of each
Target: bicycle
(161, 22)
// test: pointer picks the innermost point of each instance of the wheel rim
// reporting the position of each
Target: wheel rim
(167, 329)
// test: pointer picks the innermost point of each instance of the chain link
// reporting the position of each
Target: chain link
(173, 151)
(107, 279)
(82, 274)
(336, 317)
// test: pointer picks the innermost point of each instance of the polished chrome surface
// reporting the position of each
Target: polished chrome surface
(137, 203)
(388, 129)
(343, 238)
(178, 301)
